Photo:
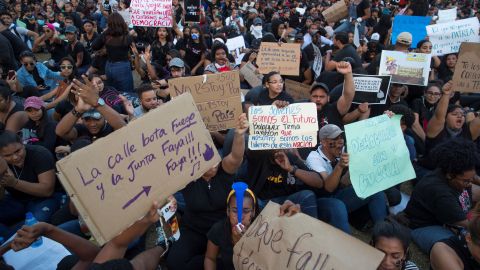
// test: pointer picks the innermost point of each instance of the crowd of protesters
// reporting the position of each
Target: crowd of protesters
(98, 72)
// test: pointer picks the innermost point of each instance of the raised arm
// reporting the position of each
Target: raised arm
(233, 161)
(345, 101)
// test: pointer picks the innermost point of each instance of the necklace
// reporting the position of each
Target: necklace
(16, 174)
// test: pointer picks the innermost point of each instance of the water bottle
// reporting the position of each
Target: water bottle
(30, 220)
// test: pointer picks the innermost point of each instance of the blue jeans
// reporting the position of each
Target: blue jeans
(426, 237)
(305, 198)
(334, 212)
(377, 204)
(350, 27)
(119, 75)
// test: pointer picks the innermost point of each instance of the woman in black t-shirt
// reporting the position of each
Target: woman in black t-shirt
(193, 49)
(460, 251)
(205, 205)
(161, 45)
(447, 67)
(225, 233)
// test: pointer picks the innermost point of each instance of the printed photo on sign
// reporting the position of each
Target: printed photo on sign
(447, 37)
(405, 68)
(371, 88)
(467, 71)
(294, 126)
(235, 47)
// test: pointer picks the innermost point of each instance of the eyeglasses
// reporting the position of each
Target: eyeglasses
(66, 67)
(433, 94)
(275, 82)
(29, 64)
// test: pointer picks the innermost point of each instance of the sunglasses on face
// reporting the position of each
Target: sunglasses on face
(29, 64)
(66, 67)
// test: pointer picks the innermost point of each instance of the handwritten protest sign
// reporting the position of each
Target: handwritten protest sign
(151, 13)
(372, 89)
(379, 157)
(284, 59)
(297, 90)
(415, 25)
(336, 12)
(235, 46)
(447, 37)
(405, 68)
(300, 242)
(447, 15)
(294, 126)
(114, 181)
(217, 97)
(192, 10)
(251, 75)
(467, 71)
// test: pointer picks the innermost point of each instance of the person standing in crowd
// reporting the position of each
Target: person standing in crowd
(117, 43)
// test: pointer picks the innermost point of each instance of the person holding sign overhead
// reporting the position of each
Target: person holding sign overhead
(224, 234)
(205, 205)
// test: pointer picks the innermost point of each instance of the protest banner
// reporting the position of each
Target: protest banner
(192, 11)
(251, 75)
(294, 126)
(405, 68)
(379, 157)
(151, 13)
(297, 90)
(235, 46)
(336, 12)
(114, 181)
(447, 15)
(300, 242)
(217, 97)
(466, 77)
(284, 58)
(371, 88)
(415, 25)
(447, 37)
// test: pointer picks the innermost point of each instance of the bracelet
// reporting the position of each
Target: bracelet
(76, 113)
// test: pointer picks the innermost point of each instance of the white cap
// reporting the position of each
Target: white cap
(375, 37)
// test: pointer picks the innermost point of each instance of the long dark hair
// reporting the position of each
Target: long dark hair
(41, 128)
(116, 25)
(201, 39)
(74, 69)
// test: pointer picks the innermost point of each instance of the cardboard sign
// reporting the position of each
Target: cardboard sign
(192, 11)
(371, 88)
(217, 97)
(336, 12)
(447, 15)
(151, 13)
(114, 181)
(379, 157)
(447, 37)
(251, 75)
(300, 242)
(405, 68)
(235, 46)
(294, 126)
(415, 25)
(297, 90)
(467, 71)
(284, 58)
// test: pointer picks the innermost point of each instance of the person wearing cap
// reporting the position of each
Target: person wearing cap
(76, 50)
(345, 49)
(98, 119)
(50, 40)
(177, 68)
(255, 31)
(403, 44)
(331, 162)
(23, 33)
(40, 129)
(251, 16)
(332, 113)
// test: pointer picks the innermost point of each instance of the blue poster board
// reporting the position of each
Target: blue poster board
(415, 25)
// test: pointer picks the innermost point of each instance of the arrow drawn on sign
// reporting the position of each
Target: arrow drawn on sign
(146, 190)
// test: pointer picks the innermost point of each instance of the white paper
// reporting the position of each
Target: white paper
(44, 257)
(447, 37)
(447, 15)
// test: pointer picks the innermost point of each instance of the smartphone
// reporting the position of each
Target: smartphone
(11, 74)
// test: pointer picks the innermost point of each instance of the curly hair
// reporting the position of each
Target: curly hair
(455, 156)
(408, 118)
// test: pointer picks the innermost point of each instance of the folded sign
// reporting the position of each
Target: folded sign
(114, 181)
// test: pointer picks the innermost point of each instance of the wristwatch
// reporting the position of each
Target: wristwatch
(294, 170)
(100, 102)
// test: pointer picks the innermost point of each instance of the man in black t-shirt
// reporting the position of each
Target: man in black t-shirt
(345, 50)
(76, 50)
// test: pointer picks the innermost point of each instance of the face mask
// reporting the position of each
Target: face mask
(41, 22)
(195, 36)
